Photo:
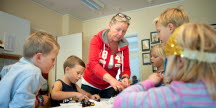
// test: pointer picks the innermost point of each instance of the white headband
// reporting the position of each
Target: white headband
(200, 56)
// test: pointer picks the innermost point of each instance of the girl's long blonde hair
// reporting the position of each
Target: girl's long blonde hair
(202, 38)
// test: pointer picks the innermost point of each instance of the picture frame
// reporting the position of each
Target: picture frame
(154, 38)
(214, 26)
(146, 58)
(145, 44)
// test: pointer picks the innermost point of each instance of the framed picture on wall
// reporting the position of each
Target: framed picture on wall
(214, 26)
(145, 44)
(146, 58)
(154, 38)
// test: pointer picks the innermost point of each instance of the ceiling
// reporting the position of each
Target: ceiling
(80, 11)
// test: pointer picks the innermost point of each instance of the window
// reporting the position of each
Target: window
(134, 57)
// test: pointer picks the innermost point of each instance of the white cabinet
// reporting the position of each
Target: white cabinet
(13, 32)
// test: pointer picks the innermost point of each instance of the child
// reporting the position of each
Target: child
(157, 58)
(134, 80)
(22, 82)
(66, 88)
(168, 21)
(192, 65)
(6, 69)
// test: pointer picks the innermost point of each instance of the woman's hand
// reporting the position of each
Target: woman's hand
(117, 85)
(125, 82)
(46, 99)
(156, 78)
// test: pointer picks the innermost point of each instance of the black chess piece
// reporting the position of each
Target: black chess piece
(86, 103)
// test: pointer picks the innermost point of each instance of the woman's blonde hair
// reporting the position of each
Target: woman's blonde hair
(201, 38)
(175, 16)
(159, 50)
(120, 17)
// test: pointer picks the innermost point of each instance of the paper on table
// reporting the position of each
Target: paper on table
(104, 103)
(71, 105)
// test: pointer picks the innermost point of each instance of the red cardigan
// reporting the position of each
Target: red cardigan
(99, 57)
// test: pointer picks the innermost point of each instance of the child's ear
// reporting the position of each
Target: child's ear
(180, 62)
(171, 27)
(110, 25)
(38, 57)
(67, 69)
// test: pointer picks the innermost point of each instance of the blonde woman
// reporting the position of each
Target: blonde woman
(191, 53)
(108, 53)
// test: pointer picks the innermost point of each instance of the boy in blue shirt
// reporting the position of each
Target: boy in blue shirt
(22, 82)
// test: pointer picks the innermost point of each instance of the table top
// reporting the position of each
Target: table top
(104, 103)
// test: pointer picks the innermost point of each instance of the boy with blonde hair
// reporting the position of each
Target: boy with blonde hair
(22, 82)
(168, 21)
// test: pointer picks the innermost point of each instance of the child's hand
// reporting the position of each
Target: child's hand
(95, 97)
(81, 96)
(117, 85)
(156, 78)
(46, 99)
